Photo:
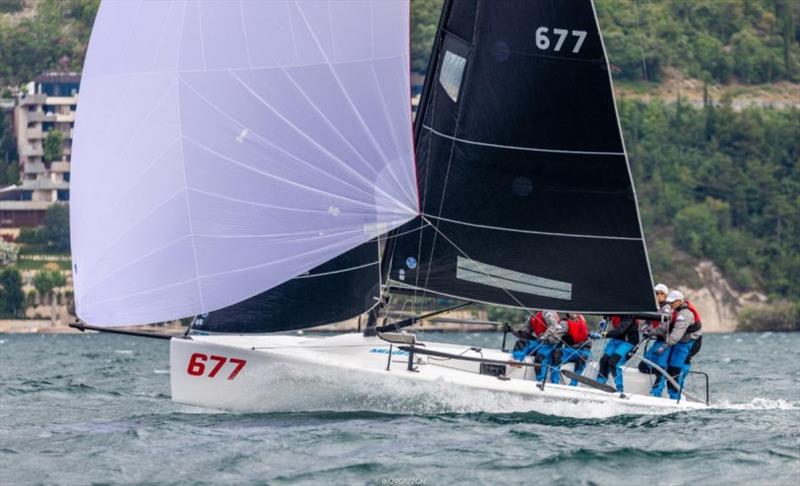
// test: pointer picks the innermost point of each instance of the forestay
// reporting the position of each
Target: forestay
(527, 198)
(223, 148)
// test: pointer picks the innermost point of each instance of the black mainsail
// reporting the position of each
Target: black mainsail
(526, 194)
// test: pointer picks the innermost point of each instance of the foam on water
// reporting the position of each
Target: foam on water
(759, 403)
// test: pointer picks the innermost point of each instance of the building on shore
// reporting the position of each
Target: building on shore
(48, 105)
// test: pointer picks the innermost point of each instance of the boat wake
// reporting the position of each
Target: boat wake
(759, 403)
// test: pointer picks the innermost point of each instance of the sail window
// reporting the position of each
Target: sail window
(451, 74)
(503, 278)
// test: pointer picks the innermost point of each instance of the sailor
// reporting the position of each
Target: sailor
(656, 329)
(576, 348)
(623, 336)
(543, 343)
(684, 338)
(548, 355)
(529, 336)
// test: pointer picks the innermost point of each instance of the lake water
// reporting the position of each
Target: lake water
(94, 408)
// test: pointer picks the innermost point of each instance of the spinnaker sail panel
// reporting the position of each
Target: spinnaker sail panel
(522, 168)
(223, 148)
(340, 289)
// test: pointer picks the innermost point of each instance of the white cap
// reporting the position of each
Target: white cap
(673, 296)
(661, 288)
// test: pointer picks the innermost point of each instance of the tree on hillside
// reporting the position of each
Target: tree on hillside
(53, 146)
(56, 228)
(9, 172)
(424, 20)
(45, 281)
(12, 299)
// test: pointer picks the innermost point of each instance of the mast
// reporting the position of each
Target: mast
(391, 237)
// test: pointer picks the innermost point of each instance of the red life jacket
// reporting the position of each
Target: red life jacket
(696, 326)
(538, 325)
(616, 321)
(577, 330)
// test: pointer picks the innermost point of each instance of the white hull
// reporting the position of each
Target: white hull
(348, 372)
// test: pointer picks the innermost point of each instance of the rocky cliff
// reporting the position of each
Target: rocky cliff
(718, 303)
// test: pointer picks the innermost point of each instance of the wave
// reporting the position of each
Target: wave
(759, 403)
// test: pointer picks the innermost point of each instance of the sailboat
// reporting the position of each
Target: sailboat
(254, 165)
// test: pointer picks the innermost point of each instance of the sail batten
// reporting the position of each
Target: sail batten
(222, 149)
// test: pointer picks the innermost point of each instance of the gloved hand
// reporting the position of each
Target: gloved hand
(595, 335)
(519, 355)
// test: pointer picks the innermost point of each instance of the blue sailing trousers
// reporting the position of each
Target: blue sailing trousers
(579, 356)
(543, 358)
(661, 360)
(616, 351)
(677, 366)
(528, 349)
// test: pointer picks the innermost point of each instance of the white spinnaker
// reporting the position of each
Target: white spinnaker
(223, 147)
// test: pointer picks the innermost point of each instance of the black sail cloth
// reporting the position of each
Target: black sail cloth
(526, 195)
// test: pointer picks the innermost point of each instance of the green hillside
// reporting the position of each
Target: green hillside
(714, 181)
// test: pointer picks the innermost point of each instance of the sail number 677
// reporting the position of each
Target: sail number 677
(198, 361)
(543, 41)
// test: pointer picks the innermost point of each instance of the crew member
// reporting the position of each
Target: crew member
(545, 328)
(548, 356)
(529, 335)
(576, 348)
(656, 329)
(684, 338)
(623, 336)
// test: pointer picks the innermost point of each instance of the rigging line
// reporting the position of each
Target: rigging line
(514, 147)
(428, 91)
(333, 272)
(317, 144)
(490, 276)
(413, 230)
(273, 145)
(544, 233)
(462, 95)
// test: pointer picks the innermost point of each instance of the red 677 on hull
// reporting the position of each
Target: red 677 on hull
(197, 365)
